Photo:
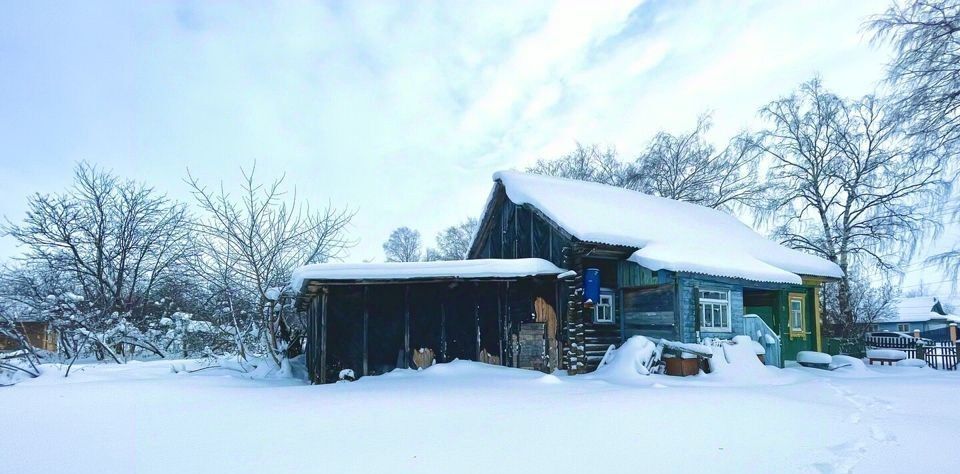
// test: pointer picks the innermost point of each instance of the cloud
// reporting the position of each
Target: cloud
(399, 109)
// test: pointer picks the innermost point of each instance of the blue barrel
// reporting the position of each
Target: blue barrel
(591, 285)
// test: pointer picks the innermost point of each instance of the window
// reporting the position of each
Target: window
(796, 314)
(714, 310)
(603, 311)
(903, 327)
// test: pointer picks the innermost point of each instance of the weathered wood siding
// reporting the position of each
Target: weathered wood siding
(689, 312)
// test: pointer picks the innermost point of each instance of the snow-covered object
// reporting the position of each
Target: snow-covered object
(670, 235)
(758, 348)
(847, 363)
(567, 274)
(346, 374)
(814, 357)
(891, 354)
(273, 294)
(912, 363)
(736, 361)
(629, 360)
(480, 268)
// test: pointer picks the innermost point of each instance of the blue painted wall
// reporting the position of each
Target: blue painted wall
(689, 313)
(923, 326)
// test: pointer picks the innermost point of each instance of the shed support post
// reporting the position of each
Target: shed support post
(476, 315)
(323, 337)
(443, 327)
(500, 325)
(366, 328)
(509, 318)
(406, 326)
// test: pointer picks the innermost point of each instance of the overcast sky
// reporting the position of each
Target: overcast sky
(399, 110)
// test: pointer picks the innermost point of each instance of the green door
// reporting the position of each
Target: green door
(796, 324)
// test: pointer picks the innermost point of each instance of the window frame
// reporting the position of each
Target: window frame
(715, 304)
(608, 295)
(802, 329)
(900, 327)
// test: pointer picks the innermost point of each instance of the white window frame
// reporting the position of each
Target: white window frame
(900, 327)
(796, 315)
(606, 306)
(717, 306)
(802, 328)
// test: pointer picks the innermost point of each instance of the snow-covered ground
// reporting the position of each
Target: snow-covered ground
(468, 417)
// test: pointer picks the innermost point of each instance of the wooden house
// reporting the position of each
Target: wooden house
(38, 334)
(920, 313)
(666, 269)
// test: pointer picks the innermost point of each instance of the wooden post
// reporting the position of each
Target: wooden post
(443, 326)
(500, 325)
(509, 316)
(953, 332)
(476, 314)
(323, 336)
(366, 329)
(406, 326)
(916, 334)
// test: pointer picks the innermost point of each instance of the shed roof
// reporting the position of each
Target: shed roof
(669, 234)
(437, 270)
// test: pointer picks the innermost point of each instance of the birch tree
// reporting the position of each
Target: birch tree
(925, 76)
(453, 243)
(847, 184)
(403, 245)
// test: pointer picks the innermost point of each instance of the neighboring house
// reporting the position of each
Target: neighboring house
(667, 269)
(38, 334)
(923, 313)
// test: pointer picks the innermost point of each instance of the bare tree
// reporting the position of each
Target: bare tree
(925, 74)
(453, 243)
(403, 245)
(105, 244)
(587, 163)
(847, 184)
(869, 303)
(926, 69)
(687, 167)
(249, 246)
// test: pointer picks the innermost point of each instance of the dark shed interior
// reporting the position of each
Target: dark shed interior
(371, 327)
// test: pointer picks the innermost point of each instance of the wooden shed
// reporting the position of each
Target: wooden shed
(368, 319)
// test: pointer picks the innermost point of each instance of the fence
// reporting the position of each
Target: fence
(939, 355)
(939, 335)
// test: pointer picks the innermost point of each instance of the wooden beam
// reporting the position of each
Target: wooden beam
(323, 336)
(406, 326)
(502, 336)
(476, 315)
(443, 325)
(366, 328)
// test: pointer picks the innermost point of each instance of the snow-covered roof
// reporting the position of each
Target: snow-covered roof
(480, 268)
(670, 235)
(920, 309)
